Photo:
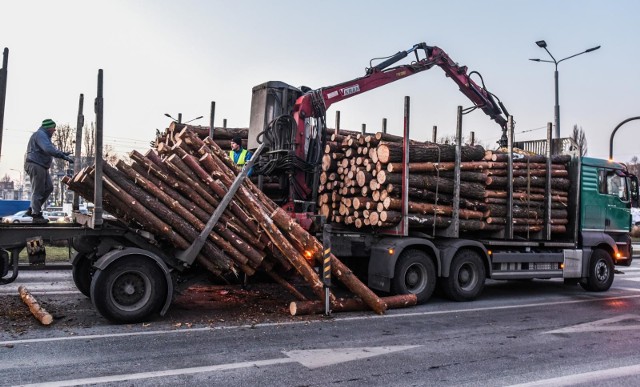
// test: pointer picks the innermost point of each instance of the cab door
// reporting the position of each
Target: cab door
(618, 205)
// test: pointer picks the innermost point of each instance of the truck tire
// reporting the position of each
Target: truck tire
(415, 273)
(82, 272)
(129, 290)
(466, 276)
(601, 272)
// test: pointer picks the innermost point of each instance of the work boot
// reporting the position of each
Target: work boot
(29, 212)
(39, 219)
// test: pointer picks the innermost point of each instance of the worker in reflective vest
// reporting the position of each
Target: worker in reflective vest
(239, 155)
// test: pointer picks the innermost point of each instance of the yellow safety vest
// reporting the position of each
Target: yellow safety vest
(241, 159)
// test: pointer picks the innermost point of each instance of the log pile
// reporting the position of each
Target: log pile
(221, 136)
(361, 182)
(173, 193)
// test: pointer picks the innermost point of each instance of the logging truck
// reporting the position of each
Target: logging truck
(410, 214)
(418, 215)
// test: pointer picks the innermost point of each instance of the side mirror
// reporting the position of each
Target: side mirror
(635, 198)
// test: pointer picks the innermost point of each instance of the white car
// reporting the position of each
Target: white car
(55, 216)
(635, 216)
(19, 217)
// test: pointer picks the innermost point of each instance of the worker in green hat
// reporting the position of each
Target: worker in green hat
(40, 154)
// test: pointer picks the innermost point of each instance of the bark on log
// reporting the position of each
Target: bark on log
(37, 311)
(218, 132)
(494, 182)
(518, 158)
(266, 223)
(389, 152)
(428, 208)
(338, 269)
(467, 189)
(350, 305)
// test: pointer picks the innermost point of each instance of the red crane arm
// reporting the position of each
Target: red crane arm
(315, 103)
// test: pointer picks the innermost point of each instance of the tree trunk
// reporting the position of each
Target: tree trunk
(36, 310)
(350, 304)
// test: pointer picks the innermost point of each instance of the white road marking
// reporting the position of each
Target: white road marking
(316, 358)
(604, 325)
(312, 359)
(585, 378)
(629, 289)
(337, 319)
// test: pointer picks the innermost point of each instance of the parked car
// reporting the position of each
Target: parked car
(19, 217)
(635, 216)
(55, 216)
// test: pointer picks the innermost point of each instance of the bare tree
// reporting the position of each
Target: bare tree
(89, 143)
(6, 178)
(633, 166)
(580, 138)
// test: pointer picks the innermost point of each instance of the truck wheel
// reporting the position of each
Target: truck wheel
(82, 271)
(466, 277)
(415, 274)
(601, 270)
(129, 290)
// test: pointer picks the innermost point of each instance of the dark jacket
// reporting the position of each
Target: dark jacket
(40, 149)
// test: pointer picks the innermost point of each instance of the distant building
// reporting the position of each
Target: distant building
(7, 191)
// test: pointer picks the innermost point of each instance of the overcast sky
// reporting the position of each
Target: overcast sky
(177, 56)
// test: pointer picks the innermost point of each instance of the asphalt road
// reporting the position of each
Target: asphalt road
(518, 333)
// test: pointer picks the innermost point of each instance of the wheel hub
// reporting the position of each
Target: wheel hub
(415, 278)
(602, 271)
(130, 290)
(466, 277)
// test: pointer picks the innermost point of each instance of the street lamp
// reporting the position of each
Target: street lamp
(543, 44)
(614, 133)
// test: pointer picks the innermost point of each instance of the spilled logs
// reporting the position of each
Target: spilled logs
(298, 308)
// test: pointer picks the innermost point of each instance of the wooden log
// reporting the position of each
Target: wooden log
(521, 211)
(297, 308)
(227, 240)
(468, 176)
(417, 220)
(139, 215)
(524, 196)
(519, 158)
(218, 132)
(201, 208)
(36, 310)
(428, 208)
(389, 152)
(467, 189)
(496, 220)
(338, 269)
(138, 196)
(253, 206)
(533, 181)
(527, 172)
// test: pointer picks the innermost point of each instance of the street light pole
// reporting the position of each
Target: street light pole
(556, 112)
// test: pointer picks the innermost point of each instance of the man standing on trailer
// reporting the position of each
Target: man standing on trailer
(239, 155)
(40, 154)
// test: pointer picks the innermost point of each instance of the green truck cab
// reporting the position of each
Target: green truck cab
(608, 192)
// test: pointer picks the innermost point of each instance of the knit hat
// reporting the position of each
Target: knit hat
(48, 123)
(237, 140)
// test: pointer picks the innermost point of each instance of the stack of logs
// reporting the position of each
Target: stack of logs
(172, 194)
(361, 184)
